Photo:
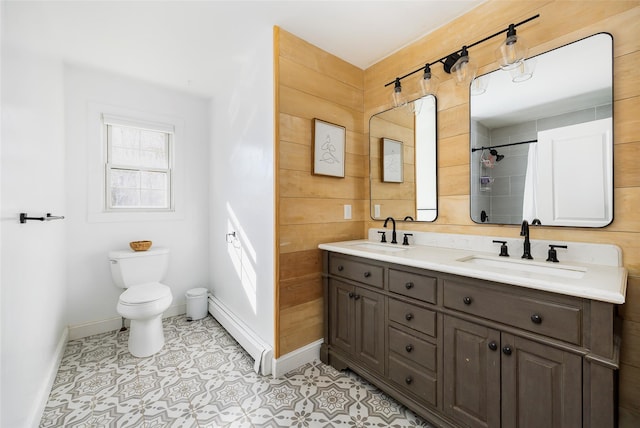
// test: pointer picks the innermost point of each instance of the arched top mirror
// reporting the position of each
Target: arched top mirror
(542, 139)
(402, 153)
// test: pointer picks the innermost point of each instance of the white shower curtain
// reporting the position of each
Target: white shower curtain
(529, 202)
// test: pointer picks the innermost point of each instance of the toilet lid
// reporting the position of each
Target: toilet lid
(145, 293)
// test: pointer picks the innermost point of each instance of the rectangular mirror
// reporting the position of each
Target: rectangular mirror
(542, 139)
(404, 184)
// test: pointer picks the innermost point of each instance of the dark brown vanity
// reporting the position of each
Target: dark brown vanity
(466, 352)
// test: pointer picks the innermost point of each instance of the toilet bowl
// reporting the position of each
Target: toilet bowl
(144, 305)
(145, 298)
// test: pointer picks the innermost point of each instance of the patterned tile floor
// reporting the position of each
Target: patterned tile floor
(203, 378)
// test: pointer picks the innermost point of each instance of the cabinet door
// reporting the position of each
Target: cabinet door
(541, 385)
(369, 327)
(342, 328)
(471, 373)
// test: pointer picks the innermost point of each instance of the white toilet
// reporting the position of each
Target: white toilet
(145, 298)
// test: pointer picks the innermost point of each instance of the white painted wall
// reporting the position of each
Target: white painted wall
(91, 293)
(34, 309)
(242, 187)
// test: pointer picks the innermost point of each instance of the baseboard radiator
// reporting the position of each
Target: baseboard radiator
(247, 338)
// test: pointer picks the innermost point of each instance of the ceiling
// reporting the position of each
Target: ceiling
(182, 44)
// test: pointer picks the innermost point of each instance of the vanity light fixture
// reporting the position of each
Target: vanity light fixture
(459, 64)
(512, 51)
(398, 99)
(429, 82)
(464, 69)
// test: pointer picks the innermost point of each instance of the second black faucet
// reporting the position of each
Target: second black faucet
(524, 231)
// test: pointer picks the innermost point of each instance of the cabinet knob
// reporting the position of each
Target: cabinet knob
(408, 380)
(367, 274)
(493, 345)
(506, 350)
(408, 285)
(340, 268)
(409, 316)
(409, 348)
(357, 296)
(467, 300)
(536, 319)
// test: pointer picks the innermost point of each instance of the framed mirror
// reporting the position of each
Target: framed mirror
(542, 139)
(402, 156)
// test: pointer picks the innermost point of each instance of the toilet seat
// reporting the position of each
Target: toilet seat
(145, 293)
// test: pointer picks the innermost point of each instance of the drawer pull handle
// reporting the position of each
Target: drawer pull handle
(536, 319)
(351, 294)
(467, 300)
(367, 274)
(409, 316)
(409, 348)
(357, 296)
(408, 380)
(506, 350)
(408, 285)
(340, 268)
(493, 345)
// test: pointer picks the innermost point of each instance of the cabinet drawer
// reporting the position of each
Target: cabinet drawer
(420, 319)
(559, 320)
(413, 380)
(356, 271)
(412, 348)
(413, 285)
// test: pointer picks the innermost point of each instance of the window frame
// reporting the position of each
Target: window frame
(108, 121)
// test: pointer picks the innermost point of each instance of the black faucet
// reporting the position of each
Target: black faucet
(524, 231)
(393, 234)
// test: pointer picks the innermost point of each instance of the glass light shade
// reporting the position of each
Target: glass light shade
(398, 99)
(429, 82)
(479, 85)
(464, 70)
(511, 52)
(524, 71)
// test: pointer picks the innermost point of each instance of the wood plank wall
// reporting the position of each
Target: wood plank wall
(311, 83)
(560, 22)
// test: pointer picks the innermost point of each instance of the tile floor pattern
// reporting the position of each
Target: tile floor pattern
(203, 378)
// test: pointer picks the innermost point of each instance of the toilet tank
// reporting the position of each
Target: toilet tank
(129, 268)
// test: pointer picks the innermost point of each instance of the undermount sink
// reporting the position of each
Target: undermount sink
(517, 265)
(379, 247)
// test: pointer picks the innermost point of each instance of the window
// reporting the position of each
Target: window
(138, 165)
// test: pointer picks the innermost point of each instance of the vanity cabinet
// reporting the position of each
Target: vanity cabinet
(357, 318)
(463, 352)
(497, 379)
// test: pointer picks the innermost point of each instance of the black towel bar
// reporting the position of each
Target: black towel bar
(24, 217)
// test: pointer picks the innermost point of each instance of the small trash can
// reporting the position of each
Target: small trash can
(196, 303)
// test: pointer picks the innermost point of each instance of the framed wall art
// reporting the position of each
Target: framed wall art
(328, 148)
(392, 161)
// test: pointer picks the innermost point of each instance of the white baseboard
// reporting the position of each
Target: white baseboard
(297, 358)
(42, 397)
(103, 326)
(260, 351)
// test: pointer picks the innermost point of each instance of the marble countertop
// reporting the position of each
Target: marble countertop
(606, 283)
